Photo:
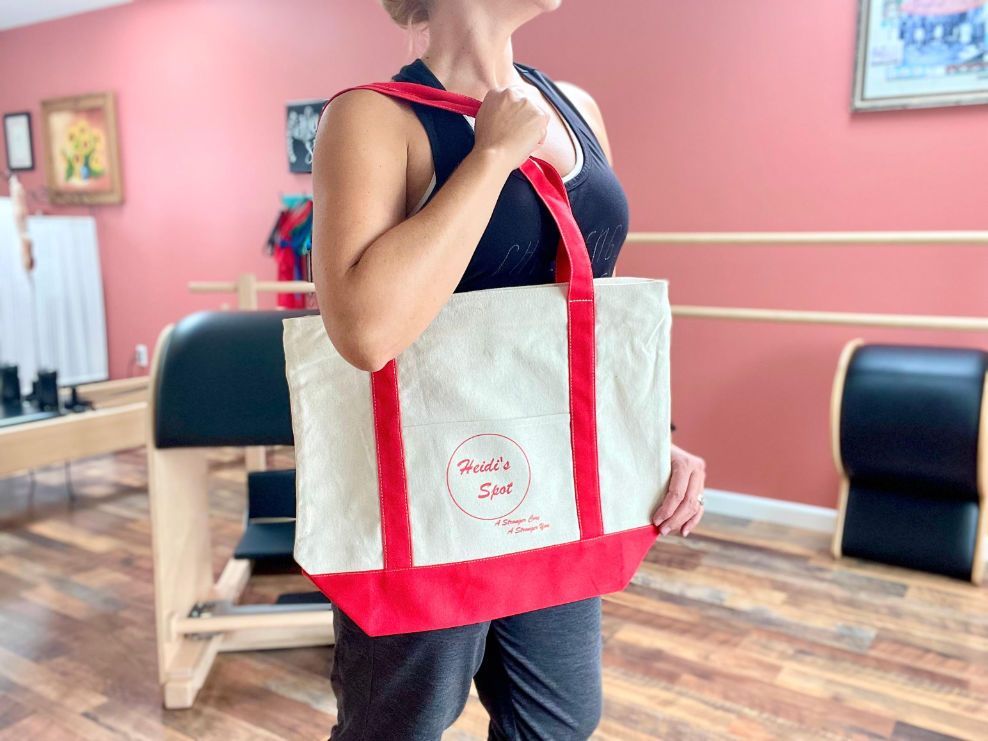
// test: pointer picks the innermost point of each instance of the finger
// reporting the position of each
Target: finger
(691, 523)
(682, 513)
(676, 491)
(689, 505)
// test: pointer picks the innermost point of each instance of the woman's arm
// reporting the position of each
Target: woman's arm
(380, 277)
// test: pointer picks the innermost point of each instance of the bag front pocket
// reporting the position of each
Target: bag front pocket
(484, 488)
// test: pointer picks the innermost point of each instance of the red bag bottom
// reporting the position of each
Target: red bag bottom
(449, 595)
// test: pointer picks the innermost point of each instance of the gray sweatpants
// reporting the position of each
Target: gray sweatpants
(538, 675)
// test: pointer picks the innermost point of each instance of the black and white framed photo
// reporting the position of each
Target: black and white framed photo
(301, 119)
(17, 138)
(921, 54)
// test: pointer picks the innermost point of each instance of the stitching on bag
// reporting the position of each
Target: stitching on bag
(593, 386)
(493, 558)
(536, 418)
(380, 480)
(572, 416)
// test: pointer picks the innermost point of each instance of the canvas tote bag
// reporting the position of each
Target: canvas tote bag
(507, 460)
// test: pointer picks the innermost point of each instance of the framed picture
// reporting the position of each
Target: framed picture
(921, 54)
(82, 156)
(17, 136)
(301, 119)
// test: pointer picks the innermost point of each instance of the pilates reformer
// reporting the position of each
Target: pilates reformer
(116, 422)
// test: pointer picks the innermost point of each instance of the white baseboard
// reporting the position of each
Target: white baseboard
(751, 507)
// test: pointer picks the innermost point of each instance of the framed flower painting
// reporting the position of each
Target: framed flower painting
(83, 157)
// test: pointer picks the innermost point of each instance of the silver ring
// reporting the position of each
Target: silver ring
(699, 500)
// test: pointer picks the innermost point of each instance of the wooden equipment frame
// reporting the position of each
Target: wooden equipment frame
(196, 615)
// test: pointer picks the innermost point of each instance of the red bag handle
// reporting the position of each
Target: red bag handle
(572, 265)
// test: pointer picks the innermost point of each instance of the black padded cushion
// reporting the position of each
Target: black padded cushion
(914, 530)
(271, 493)
(909, 418)
(221, 381)
(267, 541)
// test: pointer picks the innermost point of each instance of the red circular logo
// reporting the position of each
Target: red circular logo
(488, 476)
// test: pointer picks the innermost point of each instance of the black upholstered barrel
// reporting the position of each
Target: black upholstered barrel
(221, 381)
(911, 413)
(909, 430)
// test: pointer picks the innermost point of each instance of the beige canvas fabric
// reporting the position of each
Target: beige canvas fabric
(485, 423)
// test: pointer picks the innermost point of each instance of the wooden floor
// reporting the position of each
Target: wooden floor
(742, 630)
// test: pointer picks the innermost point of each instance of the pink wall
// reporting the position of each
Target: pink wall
(722, 116)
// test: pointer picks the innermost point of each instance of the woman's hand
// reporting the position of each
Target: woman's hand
(510, 124)
(681, 507)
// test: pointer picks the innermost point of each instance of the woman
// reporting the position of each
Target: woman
(417, 203)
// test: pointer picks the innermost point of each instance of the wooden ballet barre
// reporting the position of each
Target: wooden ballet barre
(901, 321)
(959, 237)
(906, 321)
(909, 321)
(248, 287)
(262, 286)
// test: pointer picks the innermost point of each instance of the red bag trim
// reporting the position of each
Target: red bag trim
(392, 483)
(390, 601)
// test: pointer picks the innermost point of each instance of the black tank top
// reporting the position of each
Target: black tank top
(519, 245)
